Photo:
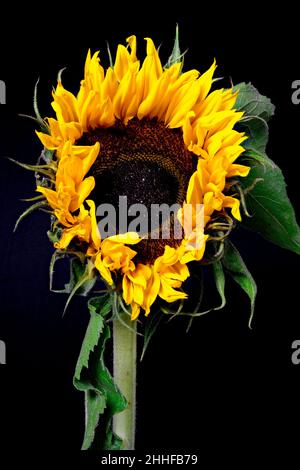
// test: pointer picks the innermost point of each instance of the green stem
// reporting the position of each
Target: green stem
(124, 338)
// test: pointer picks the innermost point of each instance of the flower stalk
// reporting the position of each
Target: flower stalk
(124, 361)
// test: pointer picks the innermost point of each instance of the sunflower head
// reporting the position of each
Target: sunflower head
(154, 136)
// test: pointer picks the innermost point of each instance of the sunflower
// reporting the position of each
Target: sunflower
(155, 135)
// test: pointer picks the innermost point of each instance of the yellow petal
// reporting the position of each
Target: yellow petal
(234, 204)
(50, 195)
(132, 43)
(95, 234)
(122, 62)
(128, 238)
(151, 51)
(135, 311)
(84, 189)
(181, 103)
(51, 143)
(104, 271)
(68, 103)
(127, 287)
(238, 170)
(152, 289)
(205, 81)
(90, 158)
(169, 294)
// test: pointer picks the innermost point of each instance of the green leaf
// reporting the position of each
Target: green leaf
(103, 399)
(257, 131)
(257, 109)
(252, 157)
(220, 282)
(235, 266)
(100, 305)
(267, 201)
(252, 103)
(273, 215)
(94, 329)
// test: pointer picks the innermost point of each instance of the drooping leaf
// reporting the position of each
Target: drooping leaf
(267, 201)
(102, 397)
(220, 282)
(235, 266)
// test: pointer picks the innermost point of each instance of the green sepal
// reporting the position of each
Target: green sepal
(81, 275)
(235, 266)
(47, 155)
(29, 210)
(103, 399)
(151, 324)
(176, 55)
(42, 123)
(219, 277)
(54, 234)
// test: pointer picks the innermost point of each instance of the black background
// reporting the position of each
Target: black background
(222, 390)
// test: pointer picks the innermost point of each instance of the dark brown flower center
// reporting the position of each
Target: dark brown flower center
(146, 162)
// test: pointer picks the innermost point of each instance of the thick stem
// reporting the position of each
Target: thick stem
(124, 338)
